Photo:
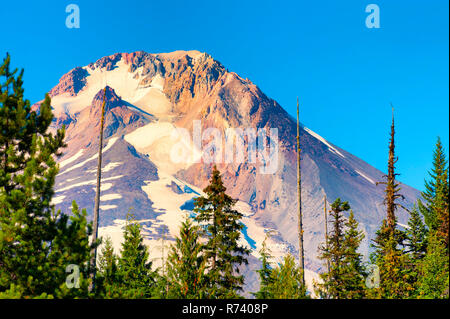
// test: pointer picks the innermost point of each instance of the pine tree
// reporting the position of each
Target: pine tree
(354, 270)
(71, 246)
(435, 204)
(392, 189)
(345, 277)
(108, 277)
(434, 271)
(223, 228)
(416, 236)
(265, 272)
(186, 265)
(396, 270)
(136, 277)
(36, 244)
(334, 253)
(285, 281)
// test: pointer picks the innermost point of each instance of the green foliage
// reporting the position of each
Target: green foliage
(107, 279)
(416, 234)
(222, 251)
(285, 281)
(186, 265)
(434, 206)
(434, 271)
(264, 273)
(36, 244)
(345, 278)
(135, 277)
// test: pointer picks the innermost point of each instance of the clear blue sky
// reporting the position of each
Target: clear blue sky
(344, 73)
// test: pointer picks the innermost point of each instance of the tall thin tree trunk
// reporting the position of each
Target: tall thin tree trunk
(326, 228)
(326, 235)
(97, 197)
(300, 217)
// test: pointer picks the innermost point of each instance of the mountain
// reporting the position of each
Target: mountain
(164, 112)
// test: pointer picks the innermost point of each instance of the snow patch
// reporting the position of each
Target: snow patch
(71, 159)
(107, 207)
(320, 138)
(57, 200)
(365, 176)
(110, 197)
(158, 140)
(108, 146)
(107, 168)
(91, 182)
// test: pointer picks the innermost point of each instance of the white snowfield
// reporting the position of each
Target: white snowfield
(160, 141)
(127, 85)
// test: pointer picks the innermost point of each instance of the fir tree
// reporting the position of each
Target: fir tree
(354, 270)
(222, 251)
(108, 277)
(434, 271)
(135, 274)
(416, 236)
(396, 270)
(392, 190)
(345, 278)
(186, 265)
(285, 281)
(435, 204)
(265, 273)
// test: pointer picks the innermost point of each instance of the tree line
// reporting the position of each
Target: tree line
(38, 243)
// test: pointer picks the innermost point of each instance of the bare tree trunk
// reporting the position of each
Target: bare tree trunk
(326, 232)
(97, 197)
(300, 217)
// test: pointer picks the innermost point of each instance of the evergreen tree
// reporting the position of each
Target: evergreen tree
(396, 271)
(108, 277)
(416, 246)
(434, 271)
(136, 277)
(435, 204)
(71, 246)
(36, 244)
(345, 278)
(392, 191)
(354, 270)
(416, 236)
(285, 281)
(266, 280)
(186, 265)
(222, 226)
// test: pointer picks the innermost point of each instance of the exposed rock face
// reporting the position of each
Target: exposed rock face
(71, 83)
(149, 95)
